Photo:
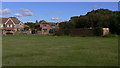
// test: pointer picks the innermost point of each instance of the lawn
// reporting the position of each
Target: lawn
(42, 50)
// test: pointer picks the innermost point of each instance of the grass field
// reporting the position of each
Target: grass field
(40, 50)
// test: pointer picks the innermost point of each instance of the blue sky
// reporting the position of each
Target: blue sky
(60, 0)
(53, 11)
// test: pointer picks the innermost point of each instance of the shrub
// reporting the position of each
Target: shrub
(26, 28)
(111, 35)
(98, 31)
(39, 28)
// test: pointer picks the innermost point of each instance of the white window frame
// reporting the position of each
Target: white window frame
(44, 30)
(9, 25)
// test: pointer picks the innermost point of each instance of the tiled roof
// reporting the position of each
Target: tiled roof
(16, 21)
(49, 22)
(3, 20)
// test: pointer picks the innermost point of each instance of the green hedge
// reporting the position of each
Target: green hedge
(98, 31)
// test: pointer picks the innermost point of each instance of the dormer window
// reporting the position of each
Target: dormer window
(9, 25)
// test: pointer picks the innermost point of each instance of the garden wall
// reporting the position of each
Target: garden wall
(82, 32)
(87, 32)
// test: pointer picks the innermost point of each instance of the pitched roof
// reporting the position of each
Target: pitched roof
(3, 20)
(16, 21)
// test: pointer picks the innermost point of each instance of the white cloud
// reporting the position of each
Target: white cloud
(26, 12)
(5, 11)
(17, 14)
(55, 19)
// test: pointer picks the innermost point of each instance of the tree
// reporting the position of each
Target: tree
(13, 18)
(99, 18)
(102, 18)
(36, 21)
(30, 24)
(98, 31)
(115, 22)
(26, 28)
(38, 27)
(42, 21)
(66, 26)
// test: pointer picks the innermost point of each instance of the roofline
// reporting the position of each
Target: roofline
(4, 17)
(11, 20)
(50, 22)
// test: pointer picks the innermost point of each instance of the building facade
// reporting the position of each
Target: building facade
(11, 24)
(48, 27)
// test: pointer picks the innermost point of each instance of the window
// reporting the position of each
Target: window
(53, 25)
(1, 25)
(51, 31)
(44, 30)
(9, 25)
(44, 24)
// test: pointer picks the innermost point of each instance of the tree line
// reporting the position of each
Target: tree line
(103, 18)
(100, 18)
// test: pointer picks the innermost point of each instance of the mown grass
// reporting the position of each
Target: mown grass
(42, 50)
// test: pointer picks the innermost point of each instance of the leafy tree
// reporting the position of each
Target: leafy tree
(66, 26)
(98, 31)
(26, 28)
(13, 18)
(30, 24)
(39, 28)
(42, 21)
(99, 18)
(36, 21)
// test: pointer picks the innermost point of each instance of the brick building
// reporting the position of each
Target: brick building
(11, 24)
(47, 27)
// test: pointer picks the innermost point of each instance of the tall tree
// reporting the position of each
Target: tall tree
(97, 18)
(36, 21)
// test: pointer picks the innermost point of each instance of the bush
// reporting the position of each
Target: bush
(98, 31)
(39, 28)
(34, 32)
(26, 28)
(111, 35)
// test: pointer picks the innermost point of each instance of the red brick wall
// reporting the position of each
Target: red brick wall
(82, 32)
(48, 27)
(9, 22)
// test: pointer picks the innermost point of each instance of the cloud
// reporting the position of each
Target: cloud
(26, 12)
(5, 11)
(17, 14)
(55, 19)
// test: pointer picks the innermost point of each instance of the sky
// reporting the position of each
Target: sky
(51, 11)
(60, 0)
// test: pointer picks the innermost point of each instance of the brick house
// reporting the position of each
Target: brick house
(11, 24)
(47, 26)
